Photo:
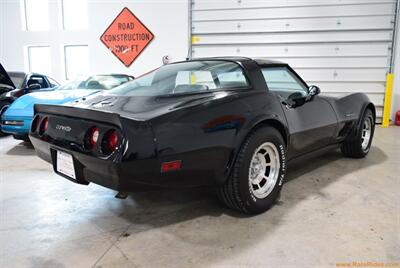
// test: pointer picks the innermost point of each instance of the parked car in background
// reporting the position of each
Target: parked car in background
(231, 123)
(16, 120)
(15, 84)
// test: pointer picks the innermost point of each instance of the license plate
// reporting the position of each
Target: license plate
(65, 164)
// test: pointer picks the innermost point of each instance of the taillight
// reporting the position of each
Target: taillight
(35, 123)
(110, 141)
(44, 125)
(92, 137)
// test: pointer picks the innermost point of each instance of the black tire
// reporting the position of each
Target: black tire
(236, 192)
(352, 146)
(3, 105)
(24, 138)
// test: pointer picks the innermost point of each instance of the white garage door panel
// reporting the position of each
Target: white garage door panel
(309, 24)
(343, 46)
(351, 75)
(379, 112)
(343, 87)
(229, 4)
(348, 62)
(294, 12)
(304, 50)
(279, 38)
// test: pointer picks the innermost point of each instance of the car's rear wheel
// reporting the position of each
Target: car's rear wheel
(3, 107)
(258, 172)
(359, 143)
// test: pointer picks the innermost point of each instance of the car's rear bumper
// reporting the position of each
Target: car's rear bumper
(16, 125)
(87, 168)
(130, 176)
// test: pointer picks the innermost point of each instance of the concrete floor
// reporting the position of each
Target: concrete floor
(332, 210)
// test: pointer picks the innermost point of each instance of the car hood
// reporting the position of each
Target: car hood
(23, 106)
(5, 78)
(147, 107)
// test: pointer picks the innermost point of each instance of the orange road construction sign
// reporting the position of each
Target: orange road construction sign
(126, 37)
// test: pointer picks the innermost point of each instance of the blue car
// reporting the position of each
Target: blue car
(17, 119)
(15, 84)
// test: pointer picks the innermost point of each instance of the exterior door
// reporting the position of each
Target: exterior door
(311, 120)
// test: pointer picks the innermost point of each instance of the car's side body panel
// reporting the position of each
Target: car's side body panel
(208, 135)
(311, 126)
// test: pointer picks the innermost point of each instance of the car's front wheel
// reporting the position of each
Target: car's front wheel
(257, 175)
(359, 143)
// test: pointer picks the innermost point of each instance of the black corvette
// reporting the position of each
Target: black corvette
(232, 123)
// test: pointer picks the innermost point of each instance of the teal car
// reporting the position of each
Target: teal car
(17, 119)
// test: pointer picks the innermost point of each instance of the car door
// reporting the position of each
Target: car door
(311, 119)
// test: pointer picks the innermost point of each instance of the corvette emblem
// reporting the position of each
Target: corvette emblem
(63, 128)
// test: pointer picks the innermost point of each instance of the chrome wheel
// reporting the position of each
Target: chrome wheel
(366, 133)
(264, 170)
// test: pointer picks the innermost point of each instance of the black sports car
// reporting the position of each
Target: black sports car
(233, 123)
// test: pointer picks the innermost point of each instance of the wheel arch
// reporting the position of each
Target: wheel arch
(275, 123)
(370, 106)
(4, 104)
(367, 105)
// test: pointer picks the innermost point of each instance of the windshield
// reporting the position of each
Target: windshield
(17, 79)
(186, 77)
(102, 82)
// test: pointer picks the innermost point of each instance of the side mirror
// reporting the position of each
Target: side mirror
(314, 90)
(32, 87)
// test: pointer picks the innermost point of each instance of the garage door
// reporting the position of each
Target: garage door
(341, 46)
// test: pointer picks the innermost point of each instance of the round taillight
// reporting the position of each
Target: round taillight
(92, 137)
(44, 125)
(35, 123)
(110, 141)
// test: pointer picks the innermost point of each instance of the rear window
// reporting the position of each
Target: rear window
(96, 82)
(186, 77)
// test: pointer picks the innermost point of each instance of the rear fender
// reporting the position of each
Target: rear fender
(260, 121)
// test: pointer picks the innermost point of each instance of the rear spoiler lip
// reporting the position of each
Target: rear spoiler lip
(83, 113)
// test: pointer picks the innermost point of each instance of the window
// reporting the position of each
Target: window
(53, 83)
(232, 78)
(195, 77)
(76, 61)
(98, 82)
(73, 9)
(283, 82)
(186, 77)
(39, 59)
(36, 15)
(37, 80)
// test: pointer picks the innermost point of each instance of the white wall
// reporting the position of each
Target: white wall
(168, 20)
